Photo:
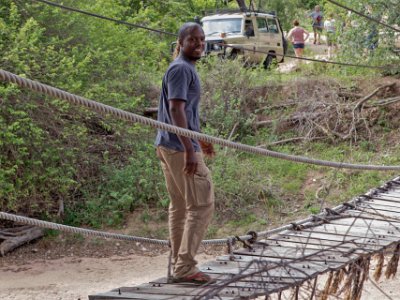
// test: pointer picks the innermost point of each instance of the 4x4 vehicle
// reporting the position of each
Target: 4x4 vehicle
(255, 36)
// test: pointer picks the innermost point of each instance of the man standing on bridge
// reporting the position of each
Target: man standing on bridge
(188, 179)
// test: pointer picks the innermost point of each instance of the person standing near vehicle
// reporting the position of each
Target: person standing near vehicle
(188, 179)
(298, 35)
(317, 23)
(330, 28)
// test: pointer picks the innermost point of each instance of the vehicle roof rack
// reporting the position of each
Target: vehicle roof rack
(233, 11)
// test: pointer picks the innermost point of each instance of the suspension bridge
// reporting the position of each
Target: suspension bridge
(325, 255)
(339, 241)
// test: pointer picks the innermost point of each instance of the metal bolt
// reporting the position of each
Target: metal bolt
(119, 291)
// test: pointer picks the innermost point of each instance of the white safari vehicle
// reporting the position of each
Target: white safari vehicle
(256, 37)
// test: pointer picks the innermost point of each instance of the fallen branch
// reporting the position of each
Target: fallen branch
(271, 107)
(17, 236)
(369, 96)
(295, 118)
(384, 102)
(291, 140)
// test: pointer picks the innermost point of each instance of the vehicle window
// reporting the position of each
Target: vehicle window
(262, 25)
(272, 26)
(213, 27)
(249, 28)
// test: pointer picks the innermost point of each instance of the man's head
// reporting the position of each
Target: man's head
(317, 8)
(191, 41)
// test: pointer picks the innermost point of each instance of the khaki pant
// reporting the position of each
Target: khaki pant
(190, 210)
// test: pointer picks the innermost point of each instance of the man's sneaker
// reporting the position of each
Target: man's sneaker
(197, 278)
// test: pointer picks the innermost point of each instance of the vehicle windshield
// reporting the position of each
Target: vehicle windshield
(212, 27)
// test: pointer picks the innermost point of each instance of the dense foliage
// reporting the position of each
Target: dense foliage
(57, 159)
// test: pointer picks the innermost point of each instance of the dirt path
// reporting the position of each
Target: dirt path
(74, 278)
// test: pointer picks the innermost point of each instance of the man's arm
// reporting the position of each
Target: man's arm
(178, 116)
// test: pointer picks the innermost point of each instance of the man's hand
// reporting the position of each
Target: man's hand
(207, 148)
(190, 163)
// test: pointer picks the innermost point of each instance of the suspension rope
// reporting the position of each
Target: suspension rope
(307, 58)
(338, 213)
(128, 116)
(91, 232)
(216, 43)
(364, 15)
(104, 17)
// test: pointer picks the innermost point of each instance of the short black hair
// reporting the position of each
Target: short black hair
(187, 28)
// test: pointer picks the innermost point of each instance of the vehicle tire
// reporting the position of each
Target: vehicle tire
(233, 55)
(268, 61)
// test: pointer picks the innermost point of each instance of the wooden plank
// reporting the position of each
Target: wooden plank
(365, 223)
(315, 244)
(353, 231)
(243, 283)
(135, 296)
(371, 216)
(303, 264)
(336, 244)
(258, 265)
(349, 238)
(329, 264)
(277, 272)
(379, 211)
(380, 206)
(382, 201)
(192, 290)
(342, 247)
(332, 237)
(279, 252)
(395, 194)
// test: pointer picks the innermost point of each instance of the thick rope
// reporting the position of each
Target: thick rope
(224, 241)
(91, 232)
(124, 115)
(71, 229)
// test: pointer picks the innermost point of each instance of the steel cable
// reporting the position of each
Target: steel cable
(104, 17)
(364, 15)
(128, 116)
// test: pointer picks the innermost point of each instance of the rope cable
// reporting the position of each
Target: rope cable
(364, 15)
(229, 240)
(103, 17)
(305, 58)
(217, 43)
(128, 116)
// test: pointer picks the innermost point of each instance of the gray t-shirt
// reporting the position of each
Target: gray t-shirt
(316, 18)
(180, 81)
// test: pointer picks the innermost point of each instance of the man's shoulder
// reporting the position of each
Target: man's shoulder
(180, 65)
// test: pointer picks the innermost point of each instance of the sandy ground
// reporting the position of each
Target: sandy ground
(74, 278)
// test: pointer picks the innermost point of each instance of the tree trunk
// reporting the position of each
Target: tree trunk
(242, 5)
(17, 236)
